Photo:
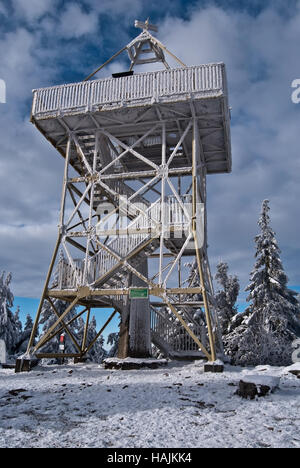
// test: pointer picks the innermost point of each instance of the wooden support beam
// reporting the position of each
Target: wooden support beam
(153, 290)
(105, 63)
(198, 252)
(59, 330)
(86, 350)
(64, 324)
(37, 318)
(85, 330)
(78, 192)
(187, 328)
(57, 355)
(52, 328)
(78, 246)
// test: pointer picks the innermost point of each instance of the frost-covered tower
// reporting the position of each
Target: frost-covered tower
(137, 150)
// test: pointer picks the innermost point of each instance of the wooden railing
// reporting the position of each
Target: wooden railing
(86, 95)
(142, 228)
(171, 334)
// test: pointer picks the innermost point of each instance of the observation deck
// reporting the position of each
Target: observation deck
(128, 104)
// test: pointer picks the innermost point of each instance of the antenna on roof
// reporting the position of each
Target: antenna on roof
(146, 26)
(143, 49)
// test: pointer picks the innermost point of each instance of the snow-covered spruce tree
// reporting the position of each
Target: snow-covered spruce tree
(226, 297)
(113, 340)
(264, 333)
(28, 323)
(19, 327)
(8, 328)
(97, 353)
(22, 344)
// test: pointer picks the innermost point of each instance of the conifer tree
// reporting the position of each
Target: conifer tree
(97, 353)
(8, 327)
(28, 323)
(273, 304)
(113, 340)
(264, 333)
(22, 343)
(226, 297)
(19, 327)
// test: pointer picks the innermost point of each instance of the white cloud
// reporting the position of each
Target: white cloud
(3, 9)
(117, 7)
(74, 22)
(32, 10)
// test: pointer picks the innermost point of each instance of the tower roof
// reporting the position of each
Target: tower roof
(143, 49)
(128, 105)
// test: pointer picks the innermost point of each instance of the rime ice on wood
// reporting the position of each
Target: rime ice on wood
(137, 149)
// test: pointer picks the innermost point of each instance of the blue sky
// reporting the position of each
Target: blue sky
(47, 42)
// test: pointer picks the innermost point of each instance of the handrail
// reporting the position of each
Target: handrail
(139, 230)
(150, 85)
(174, 336)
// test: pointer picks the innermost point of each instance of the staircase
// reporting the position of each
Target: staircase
(138, 239)
(103, 159)
(171, 339)
(105, 268)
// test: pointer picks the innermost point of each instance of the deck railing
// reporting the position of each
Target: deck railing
(139, 231)
(173, 335)
(143, 86)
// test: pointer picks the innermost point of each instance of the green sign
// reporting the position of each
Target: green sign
(138, 293)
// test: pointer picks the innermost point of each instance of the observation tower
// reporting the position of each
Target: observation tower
(132, 233)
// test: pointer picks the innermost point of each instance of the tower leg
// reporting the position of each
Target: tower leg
(139, 319)
(123, 347)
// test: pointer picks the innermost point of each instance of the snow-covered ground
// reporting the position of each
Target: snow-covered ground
(177, 406)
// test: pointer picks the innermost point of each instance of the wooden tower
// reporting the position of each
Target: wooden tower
(137, 150)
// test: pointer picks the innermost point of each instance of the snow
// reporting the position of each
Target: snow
(293, 368)
(140, 361)
(178, 406)
(218, 362)
(270, 381)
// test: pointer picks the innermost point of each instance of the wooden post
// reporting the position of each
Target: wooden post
(139, 319)
(194, 230)
(58, 321)
(37, 318)
(162, 204)
(85, 330)
(123, 346)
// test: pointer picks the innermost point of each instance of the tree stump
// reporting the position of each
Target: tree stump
(253, 386)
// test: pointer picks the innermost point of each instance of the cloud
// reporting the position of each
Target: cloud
(34, 9)
(74, 22)
(32, 247)
(3, 9)
(117, 7)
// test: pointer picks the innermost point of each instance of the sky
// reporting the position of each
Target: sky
(49, 42)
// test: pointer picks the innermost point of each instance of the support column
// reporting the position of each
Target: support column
(139, 318)
(123, 346)
(199, 256)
